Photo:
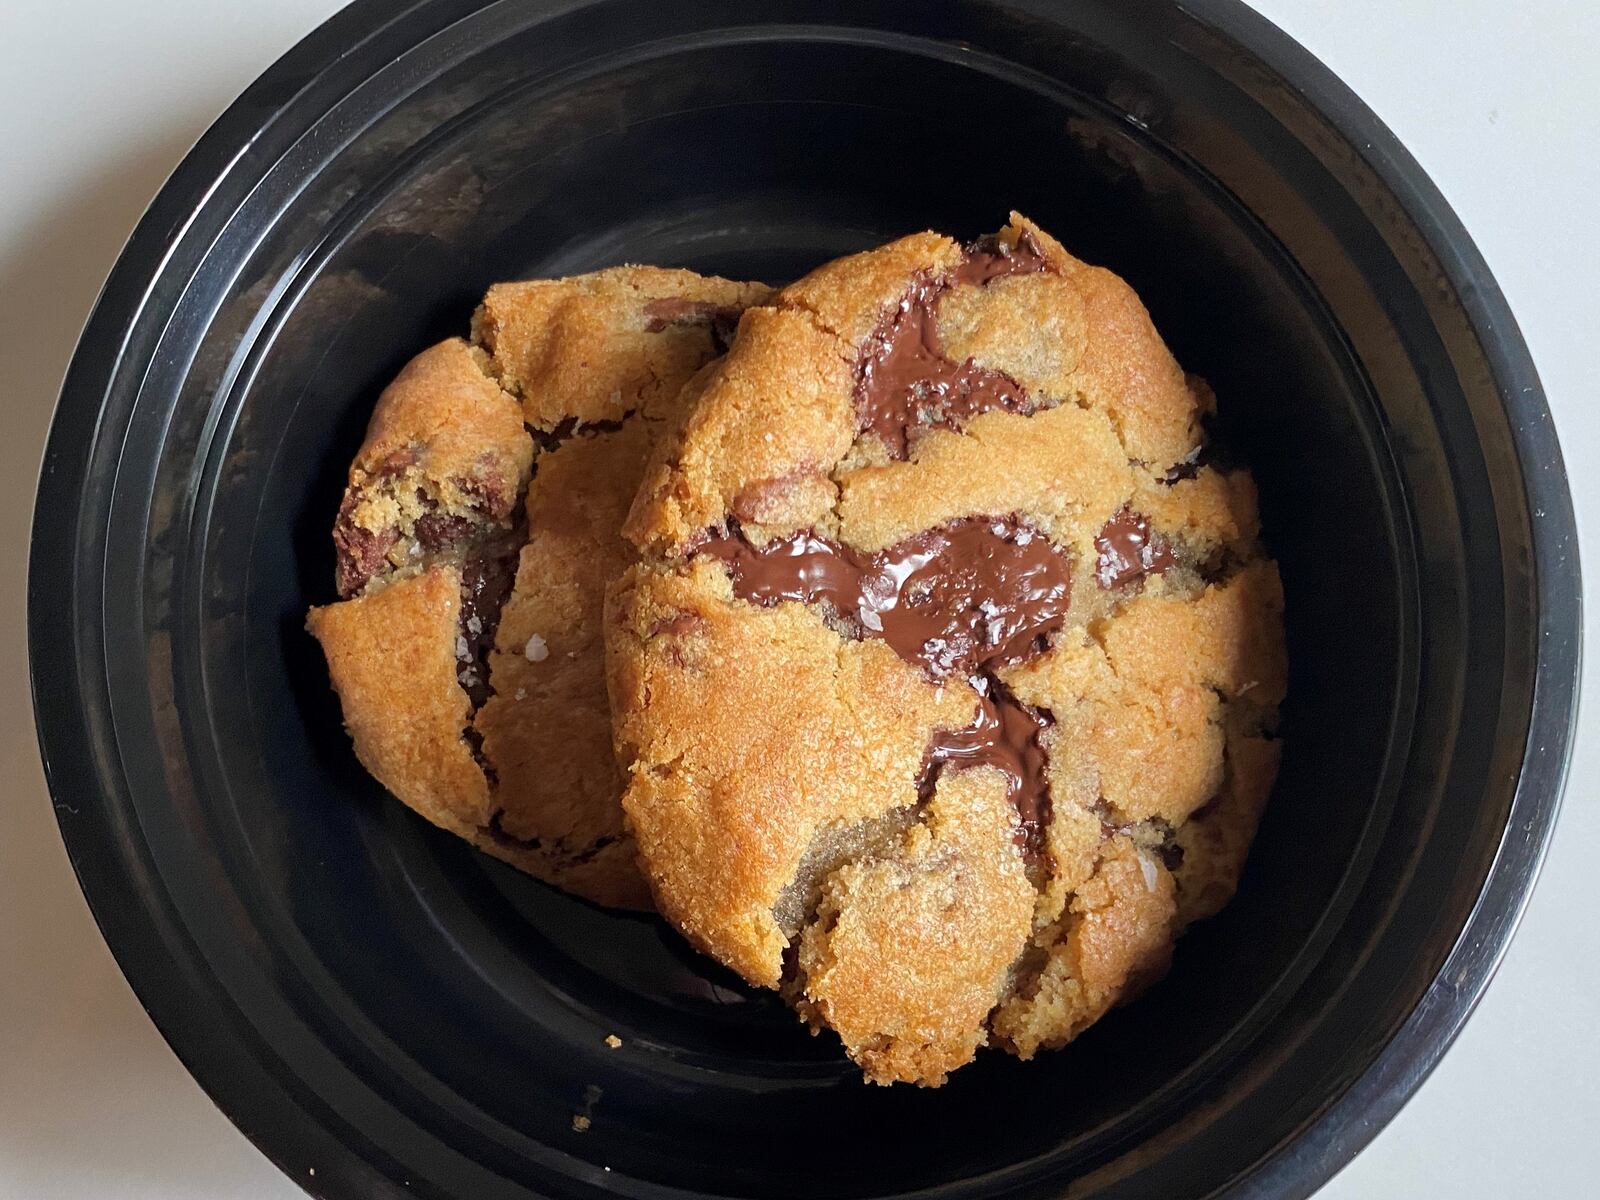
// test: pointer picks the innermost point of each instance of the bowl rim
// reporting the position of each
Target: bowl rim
(165, 974)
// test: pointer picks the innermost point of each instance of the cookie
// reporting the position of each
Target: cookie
(477, 534)
(947, 678)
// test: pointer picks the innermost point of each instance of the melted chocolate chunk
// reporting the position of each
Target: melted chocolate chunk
(492, 494)
(989, 259)
(1004, 736)
(359, 553)
(1214, 454)
(485, 584)
(1215, 451)
(677, 310)
(804, 567)
(474, 739)
(723, 328)
(437, 530)
(1129, 551)
(568, 428)
(496, 829)
(905, 382)
(961, 600)
(1187, 469)
(976, 594)
(973, 594)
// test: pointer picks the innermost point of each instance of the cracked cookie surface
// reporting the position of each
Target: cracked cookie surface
(947, 678)
(477, 534)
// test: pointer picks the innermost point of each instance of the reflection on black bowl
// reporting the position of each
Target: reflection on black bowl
(366, 996)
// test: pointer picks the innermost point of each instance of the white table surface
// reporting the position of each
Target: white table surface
(99, 100)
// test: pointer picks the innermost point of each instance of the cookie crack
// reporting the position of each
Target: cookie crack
(485, 359)
(801, 307)
(961, 601)
(571, 428)
(556, 853)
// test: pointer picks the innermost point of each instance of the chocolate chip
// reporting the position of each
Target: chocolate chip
(1215, 450)
(394, 463)
(973, 594)
(474, 738)
(1129, 551)
(1187, 469)
(804, 567)
(492, 495)
(1005, 736)
(724, 325)
(360, 553)
(904, 381)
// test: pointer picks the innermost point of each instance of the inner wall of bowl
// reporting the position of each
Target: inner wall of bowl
(757, 160)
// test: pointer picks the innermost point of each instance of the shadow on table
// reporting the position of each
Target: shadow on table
(87, 1086)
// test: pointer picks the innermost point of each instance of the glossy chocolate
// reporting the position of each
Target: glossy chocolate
(1005, 736)
(960, 600)
(485, 585)
(904, 380)
(804, 567)
(973, 594)
(989, 259)
(1129, 551)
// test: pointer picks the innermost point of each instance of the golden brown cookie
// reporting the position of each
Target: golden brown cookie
(477, 535)
(946, 680)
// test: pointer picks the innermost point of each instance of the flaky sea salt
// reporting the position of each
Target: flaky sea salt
(537, 649)
(1149, 869)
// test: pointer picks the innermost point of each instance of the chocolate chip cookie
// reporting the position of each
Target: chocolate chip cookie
(947, 678)
(478, 531)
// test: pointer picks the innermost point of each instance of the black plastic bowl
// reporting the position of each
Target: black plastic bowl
(367, 997)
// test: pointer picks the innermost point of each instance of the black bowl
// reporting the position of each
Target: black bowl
(367, 997)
